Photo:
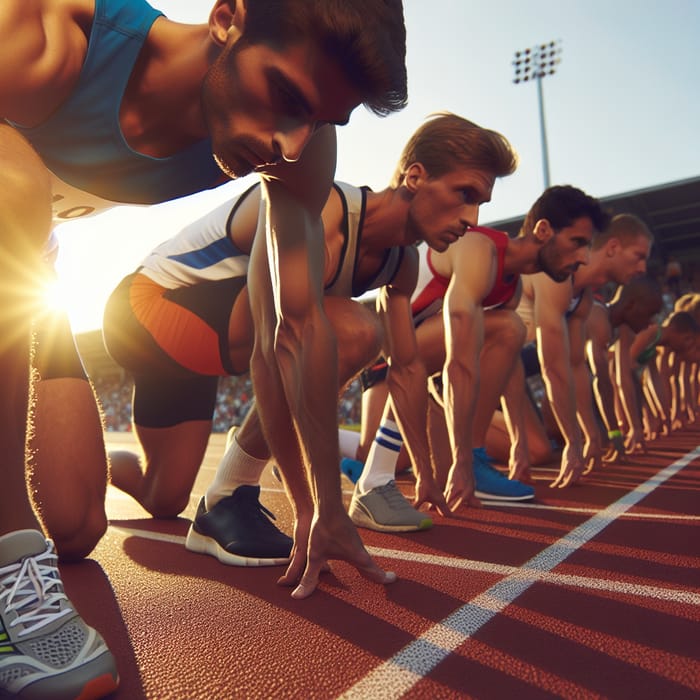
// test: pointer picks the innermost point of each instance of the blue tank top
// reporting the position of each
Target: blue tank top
(82, 142)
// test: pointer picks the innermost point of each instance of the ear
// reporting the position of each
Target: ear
(226, 21)
(542, 231)
(612, 247)
(415, 176)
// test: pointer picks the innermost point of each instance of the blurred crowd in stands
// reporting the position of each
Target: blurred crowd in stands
(234, 398)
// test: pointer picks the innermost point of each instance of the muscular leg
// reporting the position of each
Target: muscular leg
(67, 451)
(172, 457)
(69, 465)
(31, 590)
(16, 512)
(171, 340)
(172, 420)
(25, 220)
(373, 402)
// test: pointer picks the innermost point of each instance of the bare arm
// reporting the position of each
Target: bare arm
(665, 362)
(294, 363)
(25, 199)
(627, 386)
(658, 393)
(600, 337)
(551, 301)
(578, 336)
(407, 377)
(672, 371)
(39, 63)
(473, 273)
(285, 284)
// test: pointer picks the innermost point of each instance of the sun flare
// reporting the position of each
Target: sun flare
(53, 296)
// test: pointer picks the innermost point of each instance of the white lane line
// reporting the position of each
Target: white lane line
(149, 534)
(592, 511)
(670, 594)
(637, 589)
(396, 676)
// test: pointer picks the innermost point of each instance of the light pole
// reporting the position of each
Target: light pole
(534, 64)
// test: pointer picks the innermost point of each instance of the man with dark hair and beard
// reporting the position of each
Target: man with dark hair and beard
(467, 329)
(556, 315)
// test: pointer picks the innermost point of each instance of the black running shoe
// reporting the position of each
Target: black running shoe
(239, 531)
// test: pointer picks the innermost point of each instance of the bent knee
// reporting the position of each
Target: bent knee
(165, 506)
(366, 345)
(76, 537)
(510, 330)
(540, 452)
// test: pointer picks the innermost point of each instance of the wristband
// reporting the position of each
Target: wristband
(612, 434)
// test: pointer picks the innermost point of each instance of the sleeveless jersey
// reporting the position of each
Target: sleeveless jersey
(574, 303)
(82, 143)
(431, 288)
(343, 284)
(526, 308)
(203, 250)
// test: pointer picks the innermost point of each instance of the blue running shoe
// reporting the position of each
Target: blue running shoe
(352, 468)
(491, 485)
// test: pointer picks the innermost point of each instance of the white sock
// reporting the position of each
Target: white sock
(349, 441)
(380, 467)
(235, 469)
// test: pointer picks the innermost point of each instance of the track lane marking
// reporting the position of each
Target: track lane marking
(593, 511)
(396, 676)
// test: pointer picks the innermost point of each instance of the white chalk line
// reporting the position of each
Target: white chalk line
(396, 676)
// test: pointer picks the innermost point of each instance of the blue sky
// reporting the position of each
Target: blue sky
(621, 112)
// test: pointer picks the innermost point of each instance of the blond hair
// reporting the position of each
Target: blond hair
(447, 141)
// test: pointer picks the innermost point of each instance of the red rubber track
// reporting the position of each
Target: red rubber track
(590, 592)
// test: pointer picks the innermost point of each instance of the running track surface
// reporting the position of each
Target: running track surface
(589, 592)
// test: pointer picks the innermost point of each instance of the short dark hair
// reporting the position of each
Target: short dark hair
(689, 302)
(561, 205)
(642, 289)
(366, 37)
(682, 322)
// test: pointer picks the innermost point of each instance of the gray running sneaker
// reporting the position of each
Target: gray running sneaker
(385, 509)
(47, 652)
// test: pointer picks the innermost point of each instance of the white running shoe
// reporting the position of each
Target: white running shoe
(47, 652)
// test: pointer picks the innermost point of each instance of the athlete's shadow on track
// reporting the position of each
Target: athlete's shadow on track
(329, 607)
(88, 587)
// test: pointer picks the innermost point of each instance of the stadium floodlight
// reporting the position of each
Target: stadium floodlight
(534, 64)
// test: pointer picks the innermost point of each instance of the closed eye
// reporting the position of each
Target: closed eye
(287, 95)
(471, 195)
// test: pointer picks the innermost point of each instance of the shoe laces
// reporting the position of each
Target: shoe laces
(258, 511)
(393, 496)
(33, 589)
(486, 461)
